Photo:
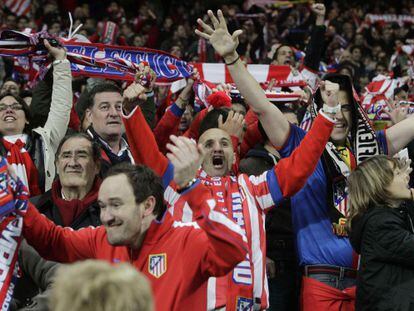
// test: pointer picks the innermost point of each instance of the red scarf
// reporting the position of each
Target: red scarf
(228, 198)
(71, 210)
(11, 226)
(23, 164)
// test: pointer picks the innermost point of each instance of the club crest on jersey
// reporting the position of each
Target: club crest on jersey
(244, 304)
(157, 264)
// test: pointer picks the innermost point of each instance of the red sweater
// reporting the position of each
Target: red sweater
(177, 258)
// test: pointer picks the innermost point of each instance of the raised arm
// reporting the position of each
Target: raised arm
(400, 135)
(273, 121)
(61, 103)
(144, 147)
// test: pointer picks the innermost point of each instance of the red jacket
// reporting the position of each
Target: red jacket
(177, 258)
(258, 195)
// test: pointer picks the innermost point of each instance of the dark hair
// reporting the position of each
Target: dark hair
(144, 183)
(400, 89)
(96, 150)
(25, 107)
(26, 93)
(101, 88)
(278, 48)
(345, 84)
(211, 120)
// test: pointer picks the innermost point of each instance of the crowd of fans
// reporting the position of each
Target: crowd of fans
(122, 157)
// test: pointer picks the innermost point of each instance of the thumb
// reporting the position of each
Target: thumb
(236, 34)
(202, 153)
(220, 121)
(47, 44)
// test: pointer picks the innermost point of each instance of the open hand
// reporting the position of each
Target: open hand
(223, 42)
(186, 157)
(234, 124)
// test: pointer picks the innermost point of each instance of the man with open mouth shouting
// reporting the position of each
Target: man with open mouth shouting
(244, 199)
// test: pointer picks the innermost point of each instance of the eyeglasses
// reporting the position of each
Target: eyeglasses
(14, 107)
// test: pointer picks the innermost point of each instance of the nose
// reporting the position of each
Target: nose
(339, 115)
(113, 112)
(106, 216)
(217, 146)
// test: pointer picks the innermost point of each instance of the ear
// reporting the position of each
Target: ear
(149, 206)
(88, 115)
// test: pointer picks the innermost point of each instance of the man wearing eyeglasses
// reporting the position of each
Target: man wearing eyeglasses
(72, 202)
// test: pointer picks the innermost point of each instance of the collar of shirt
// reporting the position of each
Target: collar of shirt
(124, 146)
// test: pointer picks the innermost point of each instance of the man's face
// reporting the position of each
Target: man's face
(75, 164)
(12, 116)
(284, 56)
(219, 152)
(10, 86)
(186, 118)
(344, 120)
(105, 114)
(120, 214)
(356, 55)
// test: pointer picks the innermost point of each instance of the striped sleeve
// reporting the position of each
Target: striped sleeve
(225, 245)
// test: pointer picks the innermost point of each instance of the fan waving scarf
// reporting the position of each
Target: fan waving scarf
(95, 59)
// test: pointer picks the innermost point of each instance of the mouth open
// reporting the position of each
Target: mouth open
(218, 161)
(9, 119)
(339, 125)
(288, 62)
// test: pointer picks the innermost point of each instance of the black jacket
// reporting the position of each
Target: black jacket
(385, 239)
(45, 205)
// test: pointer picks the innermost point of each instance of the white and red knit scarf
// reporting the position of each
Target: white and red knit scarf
(22, 163)
(228, 198)
(13, 205)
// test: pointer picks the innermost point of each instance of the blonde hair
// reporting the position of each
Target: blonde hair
(94, 285)
(368, 182)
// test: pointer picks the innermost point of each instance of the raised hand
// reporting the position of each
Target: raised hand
(186, 157)
(223, 42)
(395, 111)
(132, 94)
(234, 124)
(146, 77)
(320, 10)
(58, 53)
(329, 92)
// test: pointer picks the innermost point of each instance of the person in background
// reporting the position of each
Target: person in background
(94, 285)
(382, 232)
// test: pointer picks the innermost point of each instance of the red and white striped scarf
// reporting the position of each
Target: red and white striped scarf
(13, 206)
(22, 163)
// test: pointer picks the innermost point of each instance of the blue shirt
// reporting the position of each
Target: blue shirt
(315, 241)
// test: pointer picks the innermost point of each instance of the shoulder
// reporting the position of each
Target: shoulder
(43, 201)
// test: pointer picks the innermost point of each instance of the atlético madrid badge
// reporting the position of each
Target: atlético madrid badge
(157, 264)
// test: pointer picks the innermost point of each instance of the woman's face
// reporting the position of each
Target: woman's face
(399, 188)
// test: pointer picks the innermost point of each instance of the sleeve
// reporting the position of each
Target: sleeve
(144, 147)
(382, 140)
(40, 105)
(167, 126)
(291, 173)
(59, 114)
(41, 271)
(193, 131)
(392, 242)
(314, 48)
(223, 244)
(148, 110)
(59, 244)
